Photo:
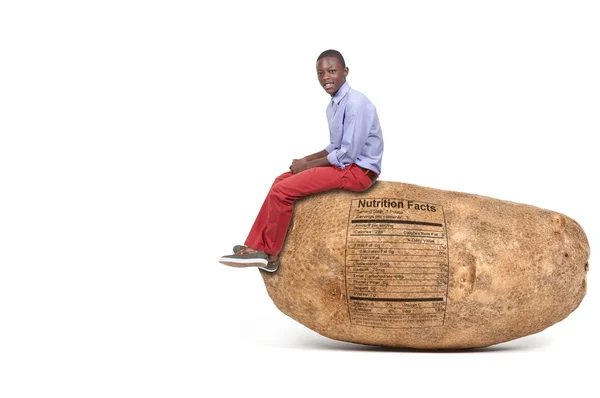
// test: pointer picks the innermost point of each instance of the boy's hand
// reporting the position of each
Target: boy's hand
(299, 165)
(294, 161)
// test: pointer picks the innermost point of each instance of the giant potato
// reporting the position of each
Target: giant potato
(407, 266)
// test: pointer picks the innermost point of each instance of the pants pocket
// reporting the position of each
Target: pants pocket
(356, 180)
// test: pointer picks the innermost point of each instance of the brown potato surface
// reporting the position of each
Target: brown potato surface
(402, 265)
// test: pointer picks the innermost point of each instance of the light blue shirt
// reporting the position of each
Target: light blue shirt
(354, 131)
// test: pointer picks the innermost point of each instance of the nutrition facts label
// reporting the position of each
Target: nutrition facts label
(396, 263)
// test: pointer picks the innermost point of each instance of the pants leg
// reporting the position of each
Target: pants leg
(270, 227)
(255, 237)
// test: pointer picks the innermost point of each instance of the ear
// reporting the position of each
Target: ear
(346, 70)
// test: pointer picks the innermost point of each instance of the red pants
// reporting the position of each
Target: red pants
(270, 228)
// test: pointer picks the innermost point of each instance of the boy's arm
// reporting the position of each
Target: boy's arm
(320, 162)
(318, 159)
(317, 155)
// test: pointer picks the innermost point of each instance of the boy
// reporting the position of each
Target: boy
(351, 161)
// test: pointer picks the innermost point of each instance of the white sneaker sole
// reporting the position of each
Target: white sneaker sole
(271, 268)
(243, 262)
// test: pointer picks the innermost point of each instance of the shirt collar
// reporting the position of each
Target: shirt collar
(341, 93)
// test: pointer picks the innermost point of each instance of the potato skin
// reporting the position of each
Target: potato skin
(511, 269)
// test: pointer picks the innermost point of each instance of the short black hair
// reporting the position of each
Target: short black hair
(333, 53)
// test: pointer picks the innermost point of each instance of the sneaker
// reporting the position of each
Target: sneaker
(237, 248)
(271, 267)
(253, 259)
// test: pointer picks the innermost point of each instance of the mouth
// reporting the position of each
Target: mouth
(327, 85)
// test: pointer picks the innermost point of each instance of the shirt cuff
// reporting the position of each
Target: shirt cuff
(330, 148)
(332, 158)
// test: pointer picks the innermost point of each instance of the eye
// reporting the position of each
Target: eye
(331, 70)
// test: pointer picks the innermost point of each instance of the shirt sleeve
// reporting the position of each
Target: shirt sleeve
(331, 145)
(330, 148)
(357, 123)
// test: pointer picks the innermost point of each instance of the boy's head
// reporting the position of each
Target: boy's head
(331, 71)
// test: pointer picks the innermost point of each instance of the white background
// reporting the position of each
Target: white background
(138, 139)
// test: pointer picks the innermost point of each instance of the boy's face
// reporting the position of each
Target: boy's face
(331, 74)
